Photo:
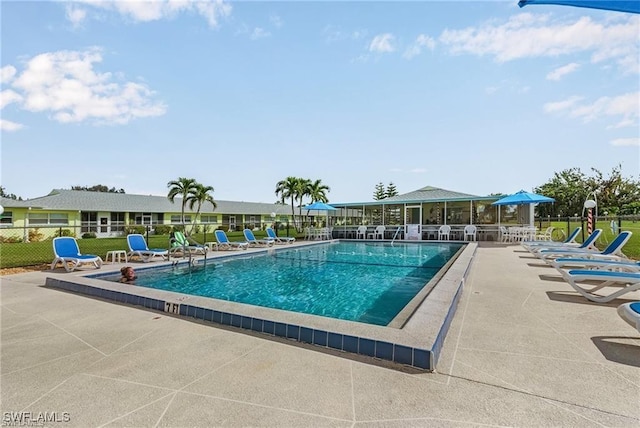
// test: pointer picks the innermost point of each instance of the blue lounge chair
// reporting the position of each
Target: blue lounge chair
(67, 252)
(569, 242)
(612, 252)
(225, 244)
(630, 312)
(180, 243)
(630, 281)
(138, 248)
(622, 265)
(589, 244)
(279, 239)
(251, 239)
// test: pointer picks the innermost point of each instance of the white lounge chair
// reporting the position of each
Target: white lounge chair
(630, 312)
(138, 248)
(361, 232)
(66, 251)
(378, 233)
(629, 281)
(279, 239)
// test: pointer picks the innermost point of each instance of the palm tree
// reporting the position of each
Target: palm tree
(181, 187)
(318, 192)
(198, 196)
(287, 189)
(302, 189)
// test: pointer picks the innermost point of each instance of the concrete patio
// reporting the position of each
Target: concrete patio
(524, 349)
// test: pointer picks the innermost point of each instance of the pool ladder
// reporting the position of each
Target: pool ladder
(395, 235)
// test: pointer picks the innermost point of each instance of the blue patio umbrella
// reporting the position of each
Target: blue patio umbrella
(632, 6)
(522, 197)
(320, 206)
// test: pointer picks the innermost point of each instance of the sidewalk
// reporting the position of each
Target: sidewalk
(523, 350)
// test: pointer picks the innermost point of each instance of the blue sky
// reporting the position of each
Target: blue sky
(477, 97)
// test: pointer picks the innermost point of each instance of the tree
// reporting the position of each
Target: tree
(4, 194)
(198, 196)
(98, 188)
(391, 190)
(183, 187)
(318, 191)
(379, 192)
(286, 189)
(302, 189)
(571, 188)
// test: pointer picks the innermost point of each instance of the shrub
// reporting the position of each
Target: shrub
(88, 235)
(64, 232)
(163, 229)
(128, 230)
(35, 235)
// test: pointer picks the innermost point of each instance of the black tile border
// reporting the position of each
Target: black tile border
(425, 359)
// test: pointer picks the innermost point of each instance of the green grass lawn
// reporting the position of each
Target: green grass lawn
(37, 253)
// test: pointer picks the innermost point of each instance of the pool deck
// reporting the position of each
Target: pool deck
(523, 349)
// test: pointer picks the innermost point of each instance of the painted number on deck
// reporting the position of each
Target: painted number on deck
(172, 308)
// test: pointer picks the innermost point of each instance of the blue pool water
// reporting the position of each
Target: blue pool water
(364, 282)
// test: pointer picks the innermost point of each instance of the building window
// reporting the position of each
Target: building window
(37, 219)
(208, 218)
(6, 219)
(178, 220)
(117, 222)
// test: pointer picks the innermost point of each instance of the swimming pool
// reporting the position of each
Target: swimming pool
(416, 340)
(356, 281)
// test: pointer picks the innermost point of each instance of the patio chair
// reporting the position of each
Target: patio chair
(67, 252)
(378, 233)
(470, 232)
(251, 239)
(612, 252)
(630, 312)
(138, 248)
(630, 281)
(181, 243)
(225, 244)
(361, 232)
(443, 232)
(279, 240)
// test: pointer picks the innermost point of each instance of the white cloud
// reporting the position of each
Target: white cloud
(276, 21)
(528, 36)
(625, 106)
(561, 105)
(75, 14)
(8, 126)
(7, 73)
(382, 43)
(145, 11)
(66, 84)
(560, 72)
(625, 142)
(333, 34)
(415, 48)
(259, 33)
(9, 96)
